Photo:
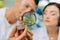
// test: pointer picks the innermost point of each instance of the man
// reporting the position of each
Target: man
(23, 7)
(12, 15)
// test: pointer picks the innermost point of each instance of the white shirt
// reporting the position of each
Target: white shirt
(5, 27)
(41, 34)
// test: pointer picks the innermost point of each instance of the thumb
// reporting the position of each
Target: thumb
(16, 34)
(23, 34)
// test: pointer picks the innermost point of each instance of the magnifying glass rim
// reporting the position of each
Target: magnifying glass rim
(33, 14)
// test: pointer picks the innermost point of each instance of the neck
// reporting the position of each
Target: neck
(52, 29)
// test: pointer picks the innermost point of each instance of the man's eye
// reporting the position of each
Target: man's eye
(27, 6)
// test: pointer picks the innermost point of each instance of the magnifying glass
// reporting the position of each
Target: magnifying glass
(29, 18)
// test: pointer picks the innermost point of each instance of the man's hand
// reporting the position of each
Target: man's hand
(25, 35)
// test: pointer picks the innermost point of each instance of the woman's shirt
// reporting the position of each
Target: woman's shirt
(41, 34)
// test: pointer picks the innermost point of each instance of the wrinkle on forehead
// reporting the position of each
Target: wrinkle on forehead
(31, 3)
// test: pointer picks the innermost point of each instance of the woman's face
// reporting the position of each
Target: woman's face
(51, 15)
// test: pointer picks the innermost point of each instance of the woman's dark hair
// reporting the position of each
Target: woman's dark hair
(57, 5)
(36, 1)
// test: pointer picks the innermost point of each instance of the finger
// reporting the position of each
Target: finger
(29, 36)
(23, 34)
(16, 34)
(13, 38)
(21, 22)
(30, 32)
(13, 32)
(25, 38)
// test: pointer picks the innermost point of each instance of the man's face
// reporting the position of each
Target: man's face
(27, 5)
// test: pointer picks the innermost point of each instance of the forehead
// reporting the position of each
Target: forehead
(52, 8)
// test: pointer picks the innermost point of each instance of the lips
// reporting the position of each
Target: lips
(47, 21)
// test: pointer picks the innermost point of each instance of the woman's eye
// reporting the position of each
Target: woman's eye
(53, 14)
(44, 13)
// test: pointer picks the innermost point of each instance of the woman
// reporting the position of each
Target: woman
(51, 19)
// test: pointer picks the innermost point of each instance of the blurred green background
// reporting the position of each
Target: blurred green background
(7, 3)
(10, 3)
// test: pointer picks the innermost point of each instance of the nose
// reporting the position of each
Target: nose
(26, 10)
(47, 16)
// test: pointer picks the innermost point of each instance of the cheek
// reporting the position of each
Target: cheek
(26, 9)
(12, 19)
(54, 20)
(44, 18)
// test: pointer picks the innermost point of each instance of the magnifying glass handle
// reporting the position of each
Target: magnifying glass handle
(20, 28)
(20, 31)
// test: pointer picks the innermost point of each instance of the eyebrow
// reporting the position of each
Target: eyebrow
(50, 11)
(53, 11)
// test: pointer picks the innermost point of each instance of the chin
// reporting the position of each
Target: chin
(48, 24)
